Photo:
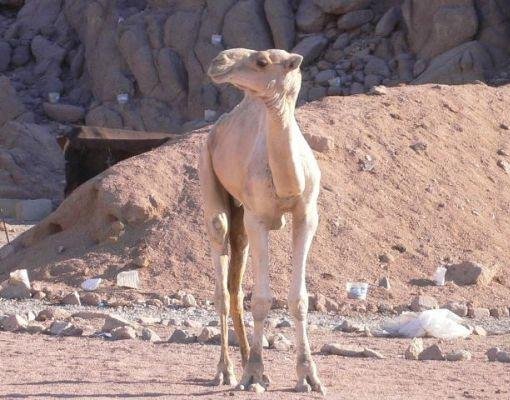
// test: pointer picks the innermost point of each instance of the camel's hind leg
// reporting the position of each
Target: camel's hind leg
(217, 221)
(239, 256)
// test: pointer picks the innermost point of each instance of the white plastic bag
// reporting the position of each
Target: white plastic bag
(441, 324)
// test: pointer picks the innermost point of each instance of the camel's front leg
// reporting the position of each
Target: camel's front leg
(260, 302)
(304, 227)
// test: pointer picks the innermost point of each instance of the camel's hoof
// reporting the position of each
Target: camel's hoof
(253, 379)
(308, 378)
(306, 387)
(225, 378)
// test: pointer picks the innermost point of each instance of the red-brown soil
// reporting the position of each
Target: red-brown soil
(45, 367)
(450, 200)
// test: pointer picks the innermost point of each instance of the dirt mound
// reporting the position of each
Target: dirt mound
(415, 176)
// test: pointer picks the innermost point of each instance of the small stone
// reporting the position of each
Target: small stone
(480, 331)
(370, 353)
(283, 324)
(479, 313)
(384, 282)
(150, 336)
(469, 273)
(503, 152)
(14, 323)
(182, 336)
(414, 350)
(350, 327)
(189, 323)
(141, 261)
(115, 321)
(279, 342)
(123, 333)
(419, 146)
(49, 314)
(256, 388)
(35, 328)
(189, 301)
(38, 295)
(72, 299)
(64, 328)
(499, 312)
(379, 90)
(90, 299)
(460, 355)
(423, 303)
(65, 113)
(433, 353)
(503, 356)
(461, 309)
(504, 126)
(504, 165)
(386, 258)
(60, 249)
(492, 353)
(209, 335)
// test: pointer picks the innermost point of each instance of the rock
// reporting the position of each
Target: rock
(468, 273)
(64, 328)
(414, 350)
(423, 303)
(323, 77)
(279, 342)
(316, 93)
(89, 315)
(115, 321)
(123, 333)
(388, 22)
(65, 113)
(350, 327)
(33, 210)
(5, 55)
(504, 165)
(419, 67)
(49, 314)
(209, 335)
(378, 90)
(189, 323)
(48, 56)
(342, 6)
(492, 353)
(128, 279)
(504, 126)
(419, 146)
(91, 284)
(21, 55)
(257, 388)
(181, 336)
(460, 309)
(141, 261)
(460, 355)
(283, 324)
(189, 301)
(90, 299)
(437, 26)
(350, 351)
(280, 17)
(17, 286)
(357, 88)
(310, 48)
(354, 19)
(35, 328)
(386, 258)
(14, 323)
(433, 353)
(377, 66)
(384, 282)
(466, 63)
(72, 299)
(503, 356)
(499, 312)
(319, 143)
(309, 17)
(479, 331)
(245, 26)
(150, 336)
(38, 295)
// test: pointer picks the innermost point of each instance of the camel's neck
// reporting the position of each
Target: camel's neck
(282, 136)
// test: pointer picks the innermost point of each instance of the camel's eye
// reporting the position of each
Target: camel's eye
(262, 63)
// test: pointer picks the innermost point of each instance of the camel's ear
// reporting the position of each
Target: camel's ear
(293, 62)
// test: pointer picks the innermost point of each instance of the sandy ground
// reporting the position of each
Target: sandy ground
(40, 367)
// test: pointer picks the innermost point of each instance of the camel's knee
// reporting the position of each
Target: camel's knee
(217, 226)
(260, 307)
(298, 307)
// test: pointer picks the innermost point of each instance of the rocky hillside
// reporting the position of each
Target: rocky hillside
(412, 179)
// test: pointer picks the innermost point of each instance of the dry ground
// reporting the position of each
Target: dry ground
(40, 367)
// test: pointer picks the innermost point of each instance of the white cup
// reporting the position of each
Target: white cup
(357, 290)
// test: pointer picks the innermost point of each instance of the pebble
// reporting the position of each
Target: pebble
(182, 336)
(64, 328)
(90, 299)
(459, 355)
(49, 314)
(72, 299)
(123, 333)
(349, 327)
(492, 353)
(386, 258)
(414, 350)
(423, 303)
(283, 324)
(279, 342)
(384, 282)
(114, 321)
(209, 334)
(433, 352)
(189, 301)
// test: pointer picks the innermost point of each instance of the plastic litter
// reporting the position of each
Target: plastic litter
(91, 284)
(357, 290)
(122, 98)
(440, 276)
(438, 323)
(129, 279)
(53, 97)
(216, 39)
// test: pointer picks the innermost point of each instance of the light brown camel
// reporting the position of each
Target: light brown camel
(255, 167)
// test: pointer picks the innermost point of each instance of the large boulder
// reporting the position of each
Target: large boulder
(245, 26)
(280, 16)
(342, 6)
(311, 47)
(310, 18)
(11, 106)
(31, 162)
(469, 273)
(437, 26)
(466, 63)
(494, 31)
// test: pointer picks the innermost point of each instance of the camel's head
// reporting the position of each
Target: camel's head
(262, 73)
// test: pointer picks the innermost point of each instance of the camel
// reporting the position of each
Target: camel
(255, 167)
